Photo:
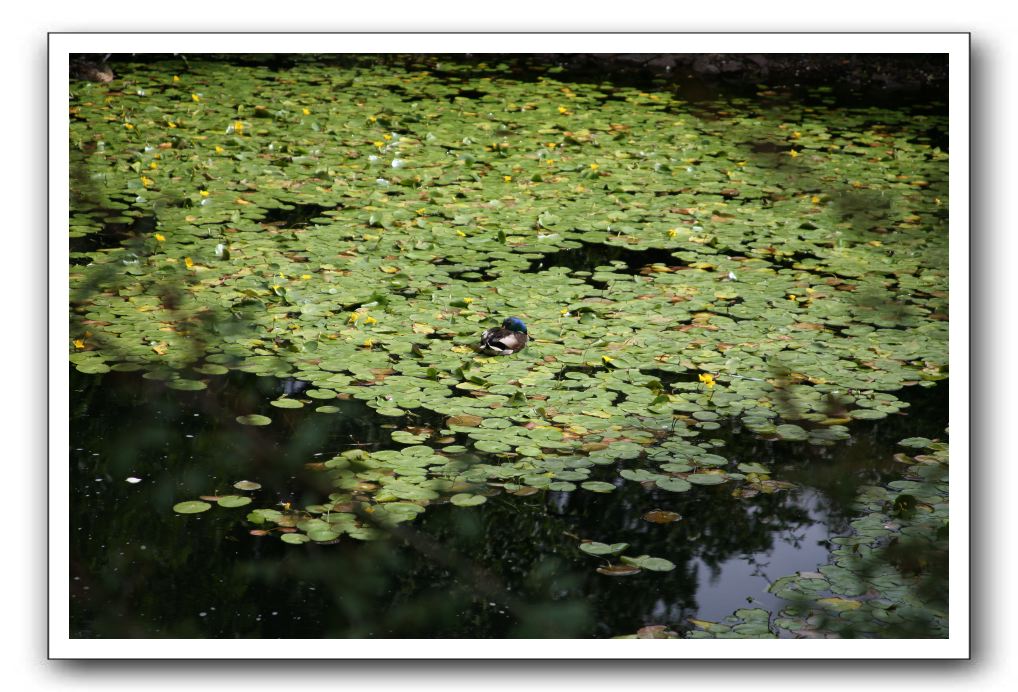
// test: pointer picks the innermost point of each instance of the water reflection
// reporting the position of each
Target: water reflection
(508, 568)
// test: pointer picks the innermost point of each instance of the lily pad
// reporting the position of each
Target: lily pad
(191, 507)
(254, 419)
(595, 548)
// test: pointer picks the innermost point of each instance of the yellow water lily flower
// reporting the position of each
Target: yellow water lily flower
(188, 262)
(160, 237)
(196, 98)
(78, 343)
(370, 320)
(707, 379)
(306, 111)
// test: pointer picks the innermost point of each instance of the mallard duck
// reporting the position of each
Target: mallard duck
(505, 340)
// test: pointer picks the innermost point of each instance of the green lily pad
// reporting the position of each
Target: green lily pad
(467, 500)
(286, 403)
(254, 419)
(191, 507)
(654, 564)
(595, 548)
(233, 501)
(675, 485)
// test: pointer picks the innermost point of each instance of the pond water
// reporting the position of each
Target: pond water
(281, 426)
(506, 568)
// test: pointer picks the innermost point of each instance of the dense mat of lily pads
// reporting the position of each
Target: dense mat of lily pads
(356, 228)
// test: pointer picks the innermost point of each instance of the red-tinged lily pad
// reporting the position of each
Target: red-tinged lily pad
(656, 632)
(661, 516)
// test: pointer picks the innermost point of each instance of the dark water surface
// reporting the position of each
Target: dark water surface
(507, 568)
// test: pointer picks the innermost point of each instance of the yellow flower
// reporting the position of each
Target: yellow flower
(793, 153)
(372, 119)
(238, 127)
(188, 262)
(672, 232)
(78, 343)
(422, 210)
(796, 135)
(814, 199)
(607, 359)
(170, 124)
(791, 296)
(305, 276)
(275, 287)
(379, 144)
(176, 78)
(551, 145)
(370, 320)
(353, 318)
(707, 379)
(461, 234)
(129, 126)
(740, 163)
(368, 343)
(386, 137)
(507, 178)
(196, 98)
(219, 149)
(594, 166)
(563, 110)
(160, 237)
(153, 165)
(306, 111)
(203, 193)
(147, 182)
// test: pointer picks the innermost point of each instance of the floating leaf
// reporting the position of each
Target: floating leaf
(675, 485)
(661, 516)
(654, 564)
(467, 500)
(286, 403)
(247, 485)
(618, 570)
(705, 478)
(595, 548)
(191, 507)
(254, 419)
(233, 501)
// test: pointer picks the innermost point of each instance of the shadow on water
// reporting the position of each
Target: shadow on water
(590, 256)
(508, 568)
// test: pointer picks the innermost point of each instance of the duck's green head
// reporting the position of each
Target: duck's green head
(514, 324)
